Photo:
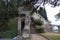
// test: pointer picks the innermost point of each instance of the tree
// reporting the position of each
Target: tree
(57, 16)
(54, 2)
(7, 12)
(3, 16)
(37, 22)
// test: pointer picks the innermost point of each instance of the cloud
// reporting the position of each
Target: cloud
(51, 12)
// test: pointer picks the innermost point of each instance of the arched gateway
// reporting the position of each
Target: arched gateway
(24, 22)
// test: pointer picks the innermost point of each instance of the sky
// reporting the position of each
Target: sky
(51, 12)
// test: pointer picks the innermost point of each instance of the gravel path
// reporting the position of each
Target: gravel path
(37, 37)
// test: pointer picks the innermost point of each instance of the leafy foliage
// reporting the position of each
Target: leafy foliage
(57, 16)
(12, 31)
(6, 13)
(54, 3)
(37, 21)
(40, 30)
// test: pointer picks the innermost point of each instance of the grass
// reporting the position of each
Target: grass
(13, 25)
(52, 36)
(12, 31)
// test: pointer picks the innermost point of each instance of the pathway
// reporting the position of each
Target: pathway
(37, 37)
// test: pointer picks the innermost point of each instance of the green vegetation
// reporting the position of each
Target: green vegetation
(8, 20)
(52, 36)
(7, 12)
(38, 22)
(12, 32)
(40, 30)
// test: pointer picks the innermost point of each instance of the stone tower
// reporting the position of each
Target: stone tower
(24, 22)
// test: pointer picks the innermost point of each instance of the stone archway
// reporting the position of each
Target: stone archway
(22, 25)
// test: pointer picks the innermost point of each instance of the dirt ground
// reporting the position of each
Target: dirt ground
(37, 37)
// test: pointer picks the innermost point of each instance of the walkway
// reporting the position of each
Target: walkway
(37, 37)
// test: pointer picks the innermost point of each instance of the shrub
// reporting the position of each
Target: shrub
(40, 30)
(37, 22)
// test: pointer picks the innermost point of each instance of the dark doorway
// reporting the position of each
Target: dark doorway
(22, 25)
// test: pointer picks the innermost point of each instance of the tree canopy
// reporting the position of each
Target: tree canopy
(57, 16)
(7, 12)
